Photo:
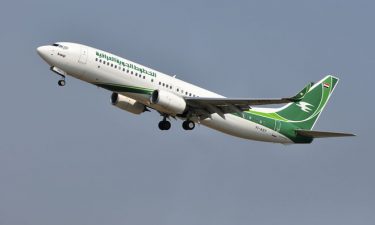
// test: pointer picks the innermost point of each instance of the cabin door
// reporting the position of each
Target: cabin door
(83, 56)
(277, 125)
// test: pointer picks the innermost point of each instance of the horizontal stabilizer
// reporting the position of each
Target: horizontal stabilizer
(321, 134)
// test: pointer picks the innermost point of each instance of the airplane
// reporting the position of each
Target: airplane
(136, 88)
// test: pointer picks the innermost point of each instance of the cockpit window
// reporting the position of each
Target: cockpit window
(60, 46)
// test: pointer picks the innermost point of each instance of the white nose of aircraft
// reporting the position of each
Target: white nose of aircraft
(43, 52)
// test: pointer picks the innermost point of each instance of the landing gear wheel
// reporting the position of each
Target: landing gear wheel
(164, 125)
(161, 127)
(188, 125)
(167, 125)
(61, 83)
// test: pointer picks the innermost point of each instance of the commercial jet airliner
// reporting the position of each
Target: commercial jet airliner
(136, 89)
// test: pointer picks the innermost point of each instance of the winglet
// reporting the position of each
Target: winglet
(302, 93)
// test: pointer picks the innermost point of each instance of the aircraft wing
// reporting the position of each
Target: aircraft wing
(232, 105)
(240, 103)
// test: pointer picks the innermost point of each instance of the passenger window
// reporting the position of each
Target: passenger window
(96, 59)
(152, 80)
(144, 77)
(131, 72)
(159, 83)
(107, 63)
(115, 66)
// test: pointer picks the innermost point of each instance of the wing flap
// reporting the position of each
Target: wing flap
(322, 134)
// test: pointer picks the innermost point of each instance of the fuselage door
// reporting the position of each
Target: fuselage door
(83, 56)
(277, 125)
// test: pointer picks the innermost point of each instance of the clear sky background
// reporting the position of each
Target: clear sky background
(68, 157)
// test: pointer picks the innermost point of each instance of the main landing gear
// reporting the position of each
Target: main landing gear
(166, 125)
(188, 125)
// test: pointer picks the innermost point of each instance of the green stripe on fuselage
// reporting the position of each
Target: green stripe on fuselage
(274, 116)
(273, 122)
(124, 88)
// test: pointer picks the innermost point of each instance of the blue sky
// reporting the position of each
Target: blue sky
(68, 157)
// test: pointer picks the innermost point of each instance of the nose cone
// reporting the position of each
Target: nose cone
(42, 51)
(45, 52)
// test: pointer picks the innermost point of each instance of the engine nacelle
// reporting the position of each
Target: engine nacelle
(127, 104)
(172, 103)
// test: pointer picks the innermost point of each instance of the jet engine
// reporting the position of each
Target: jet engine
(128, 104)
(172, 103)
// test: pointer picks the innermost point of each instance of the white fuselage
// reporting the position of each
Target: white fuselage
(89, 64)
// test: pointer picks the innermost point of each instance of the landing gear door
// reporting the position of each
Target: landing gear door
(83, 56)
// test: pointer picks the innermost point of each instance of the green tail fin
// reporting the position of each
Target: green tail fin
(309, 103)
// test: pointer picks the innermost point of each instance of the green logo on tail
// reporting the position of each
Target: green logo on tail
(305, 112)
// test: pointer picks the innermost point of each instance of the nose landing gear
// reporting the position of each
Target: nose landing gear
(61, 82)
(61, 73)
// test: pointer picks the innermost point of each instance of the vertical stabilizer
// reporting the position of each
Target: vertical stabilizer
(305, 112)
